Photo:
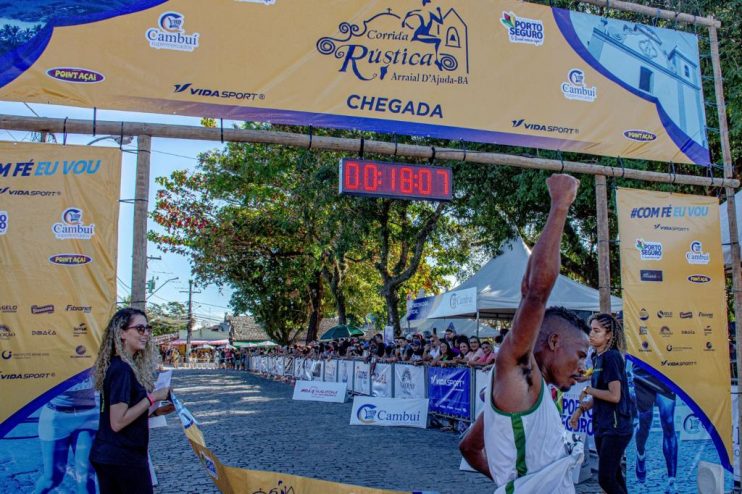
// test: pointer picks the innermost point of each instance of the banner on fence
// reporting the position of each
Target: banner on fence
(299, 368)
(410, 67)
(58, 242)
(389, 412)
(570, 402)
(381, 380)
(449, 391)
(331, 371)
(409, 381)
(316, 369)
(320, 391)
(675, 317)
(346, 372)
(362, 381)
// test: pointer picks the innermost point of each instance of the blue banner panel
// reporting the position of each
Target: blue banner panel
(449, 391)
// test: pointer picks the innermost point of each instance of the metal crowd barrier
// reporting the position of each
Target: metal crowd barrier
(453, 391)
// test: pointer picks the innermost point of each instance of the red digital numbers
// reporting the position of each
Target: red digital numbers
(380, 179)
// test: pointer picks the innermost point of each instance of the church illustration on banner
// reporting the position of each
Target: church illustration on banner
(658, 63)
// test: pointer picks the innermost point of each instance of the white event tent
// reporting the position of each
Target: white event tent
(496, 289)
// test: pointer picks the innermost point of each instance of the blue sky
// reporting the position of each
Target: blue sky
(167, 155)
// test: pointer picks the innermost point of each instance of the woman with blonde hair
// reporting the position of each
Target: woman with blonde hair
(125, 374)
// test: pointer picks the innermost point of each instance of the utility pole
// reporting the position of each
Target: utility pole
(189, 328)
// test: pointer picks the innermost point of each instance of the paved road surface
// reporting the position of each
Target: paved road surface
(252, 422)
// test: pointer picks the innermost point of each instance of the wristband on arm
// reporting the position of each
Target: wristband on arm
(150, 400)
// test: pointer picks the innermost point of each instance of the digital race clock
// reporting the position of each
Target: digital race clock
(395, 180)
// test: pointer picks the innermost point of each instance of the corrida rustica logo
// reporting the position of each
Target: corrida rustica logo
(428, 45)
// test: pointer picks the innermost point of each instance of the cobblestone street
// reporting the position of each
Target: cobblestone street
(252, 422)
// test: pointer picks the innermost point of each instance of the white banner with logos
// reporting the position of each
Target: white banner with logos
(456, 303)
(389, 412)
(345, 373)
(481, 380)
(299, 368)
(288, 366)
(362, 381)
(331, 371)
(381, 381)
(280, 366)
(570, 402)
(320, 391)
(316, 369)
(409, 381)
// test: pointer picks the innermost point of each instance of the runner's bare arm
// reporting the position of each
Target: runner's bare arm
(472, 447)
(515, 358)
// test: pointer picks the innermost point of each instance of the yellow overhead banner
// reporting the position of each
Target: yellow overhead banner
(675, 313)
(58, 241)
(498, 71)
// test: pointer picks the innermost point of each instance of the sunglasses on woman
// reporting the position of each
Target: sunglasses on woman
(142, 329)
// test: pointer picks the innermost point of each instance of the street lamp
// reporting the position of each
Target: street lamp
(120, 140)
(159, 287)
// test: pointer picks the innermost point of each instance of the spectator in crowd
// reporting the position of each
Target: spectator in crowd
(487, 358)
(415, 352)
(475, 345)
(446, 357)
(450, 337)
(433, 349)
(464, 351)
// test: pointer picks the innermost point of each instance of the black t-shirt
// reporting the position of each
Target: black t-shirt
(611, 418)
(128, 447)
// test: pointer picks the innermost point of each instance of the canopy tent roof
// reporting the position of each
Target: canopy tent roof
(724, 219)
(498, 283)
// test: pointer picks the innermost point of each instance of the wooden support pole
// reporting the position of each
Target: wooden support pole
(653, 12)
(726, 153)
(604, 263)
(141, 201)
(348, 145)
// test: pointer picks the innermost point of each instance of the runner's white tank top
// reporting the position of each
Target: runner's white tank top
(522, 443)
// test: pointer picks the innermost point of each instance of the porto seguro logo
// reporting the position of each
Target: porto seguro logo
(649, 251)
(574, 88)
(72, 226)
(696, 255)
(170, 34)
(425, 45)
(523, 30)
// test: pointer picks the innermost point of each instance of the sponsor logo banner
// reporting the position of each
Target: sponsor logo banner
(409, 381)
(381, 380)
(55, 326)
(448, 391)
(389, 412)
(320, 391)
(677, 328)
(418, 68)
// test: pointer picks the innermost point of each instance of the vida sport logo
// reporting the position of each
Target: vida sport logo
(426, 45)
(170, 34)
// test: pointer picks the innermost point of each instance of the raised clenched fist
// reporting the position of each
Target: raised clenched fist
(562, 189)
